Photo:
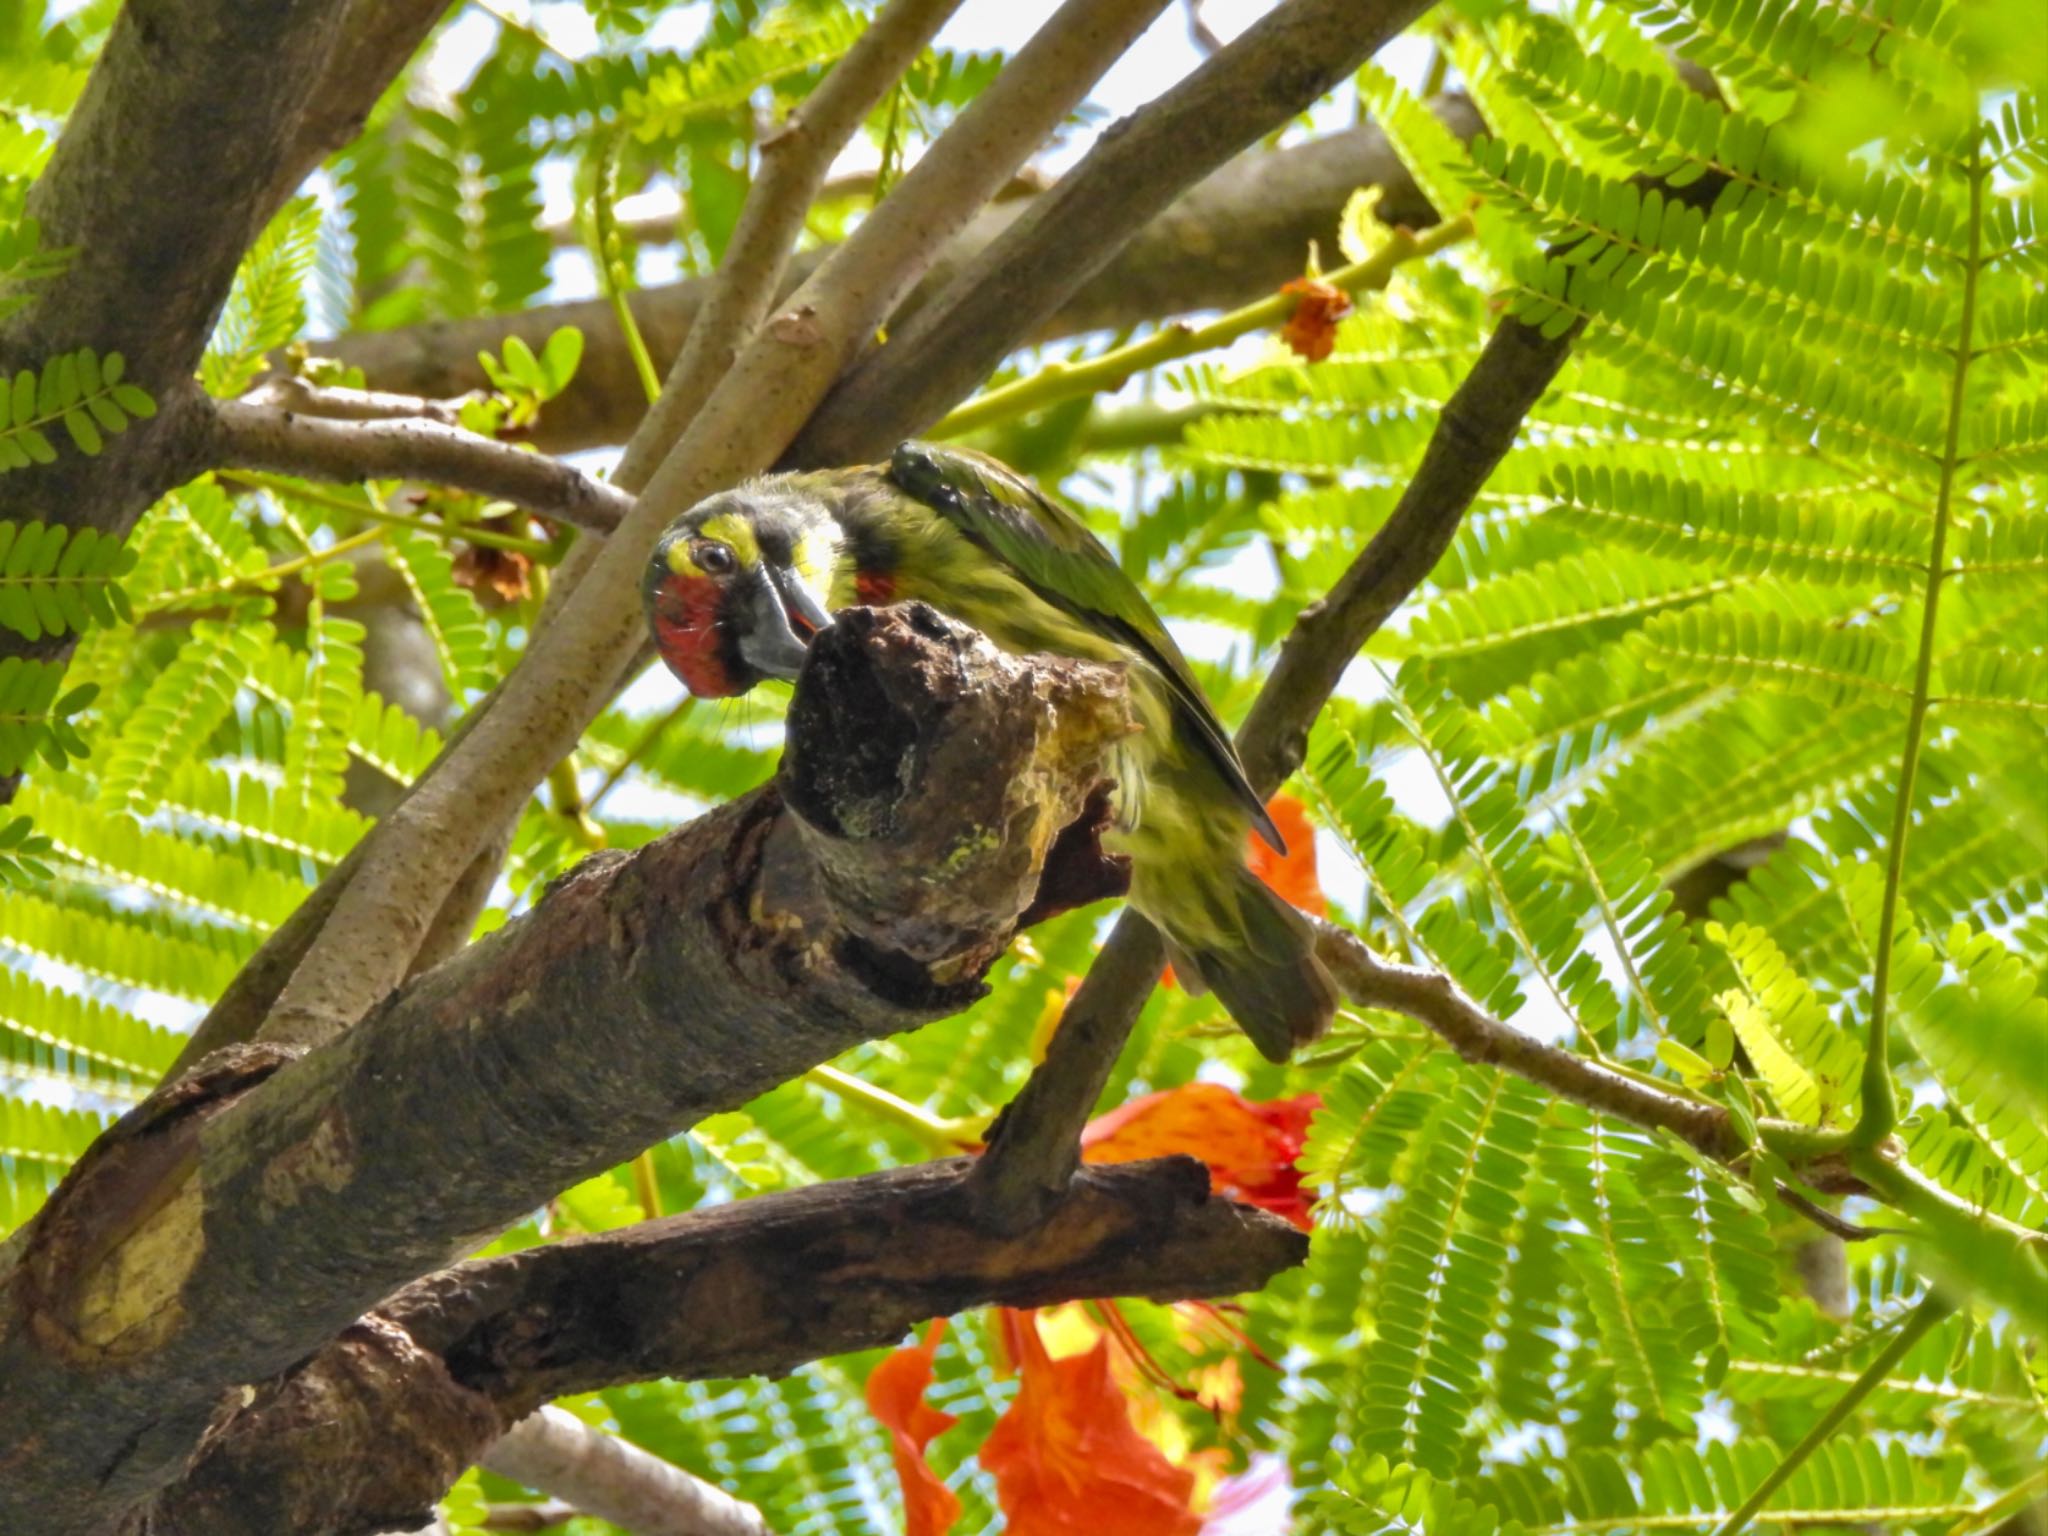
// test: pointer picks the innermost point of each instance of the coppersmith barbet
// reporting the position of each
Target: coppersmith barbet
(739, 584)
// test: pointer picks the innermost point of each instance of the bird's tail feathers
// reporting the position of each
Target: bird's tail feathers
(1269, 979)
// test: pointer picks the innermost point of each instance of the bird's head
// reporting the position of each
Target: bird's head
(736, 587)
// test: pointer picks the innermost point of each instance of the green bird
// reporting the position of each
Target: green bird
(740, 584)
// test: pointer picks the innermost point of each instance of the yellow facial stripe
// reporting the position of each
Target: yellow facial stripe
(730, 528)
(679, 559)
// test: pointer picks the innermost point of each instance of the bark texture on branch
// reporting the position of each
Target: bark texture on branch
(238, 435)
(242, 1217)
(1278, 68)
(1239, 234)
(752, 1288)
(176, 155)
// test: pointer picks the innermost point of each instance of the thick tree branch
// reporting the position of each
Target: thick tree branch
(757, 1287)
(418, 851)
(243, 436)
(553, 1451)
(174, 158)
(378, 39)
(1284, 63)
(1036, 1144)
(1230, 239)
(247, 1213)
(794, 161)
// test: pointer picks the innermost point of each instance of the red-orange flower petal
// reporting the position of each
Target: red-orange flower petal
(1292, 874)
(1250, 1146)
(1311, 331)
(1066, 1459)
(895, 1395)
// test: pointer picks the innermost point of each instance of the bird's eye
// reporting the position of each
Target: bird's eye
(712, 558)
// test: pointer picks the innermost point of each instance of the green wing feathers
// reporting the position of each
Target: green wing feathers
(1053, 552)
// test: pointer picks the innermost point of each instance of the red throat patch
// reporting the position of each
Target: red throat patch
(686, 633)
(875, 589)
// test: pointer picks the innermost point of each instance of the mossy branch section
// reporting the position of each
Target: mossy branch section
(245, 1216)
(365, 1434)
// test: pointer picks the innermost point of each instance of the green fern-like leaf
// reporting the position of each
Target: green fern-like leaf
(1739, 531)
(184, 704)
(723, 80)
(103, 847)
(75, 1043)
(193, 964)
(267, 306)
(35, 718)
(1447, 1251)
(1984, 1036)
(81, 391)
(23, 853)
(1809, 1064)
(38, 1142)
(55, 580)
(1992, 678)
(1835, 663)
(461, 638)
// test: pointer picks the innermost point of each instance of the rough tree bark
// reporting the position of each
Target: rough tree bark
(244, 1217)
(368, 1432)
(174, 158)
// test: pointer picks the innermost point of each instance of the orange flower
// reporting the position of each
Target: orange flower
(1292, 874)
(1065, 1457)
(896, 1397)
(1311, 332)
(1250, 1146)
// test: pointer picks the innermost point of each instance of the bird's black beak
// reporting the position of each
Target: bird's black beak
(799, 603)
(783, 616)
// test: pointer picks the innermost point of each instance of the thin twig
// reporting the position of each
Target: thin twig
(1036, 1144)
(1932, 1309)
(288, 393)
(244, 436)
(1106, 372)
(553, 1451)
(372, 510)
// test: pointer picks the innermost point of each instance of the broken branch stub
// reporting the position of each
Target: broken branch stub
(931, 794)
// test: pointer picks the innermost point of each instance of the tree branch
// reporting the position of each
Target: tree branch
(1432, 998)
(176, 155)
(288, 392)
(1227, 241)
(418, 851)
(232, 1224)
(1035, 1145)
(243, 436)
(756, 1287)
(377, 40)
(553, 1451)
(794, 161)
(1285, 62)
